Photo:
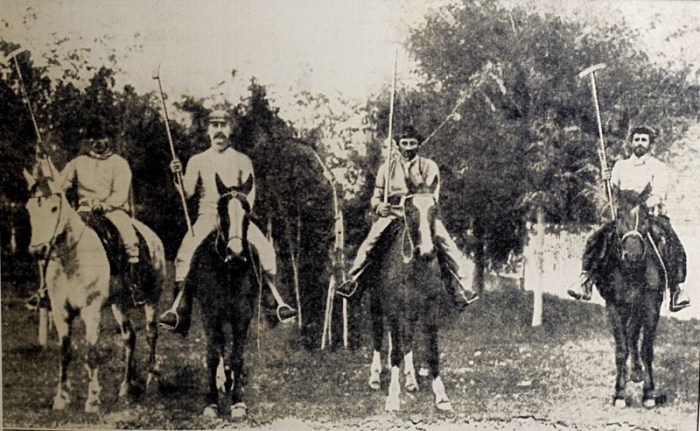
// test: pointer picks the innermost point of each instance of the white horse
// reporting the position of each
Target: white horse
(78, 282)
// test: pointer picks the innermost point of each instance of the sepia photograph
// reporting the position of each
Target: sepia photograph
(350, 215)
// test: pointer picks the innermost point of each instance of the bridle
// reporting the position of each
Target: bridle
(220, 234)
(406, 234)
(635, 231)
(51, 243)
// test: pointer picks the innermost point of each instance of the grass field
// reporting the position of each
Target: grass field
(499, 372)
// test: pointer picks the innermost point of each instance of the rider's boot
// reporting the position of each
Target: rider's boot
(178, 317)
(679, 299)
(583, 290)
(281, 310)
(462, 293)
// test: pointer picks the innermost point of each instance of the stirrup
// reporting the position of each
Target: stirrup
(352, 292)
(168, 327)
(282, 307)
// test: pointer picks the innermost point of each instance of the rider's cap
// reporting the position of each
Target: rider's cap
(218, 115)
(410, 132)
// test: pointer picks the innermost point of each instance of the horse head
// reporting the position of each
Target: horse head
(421, 213)
(632, 225)
(233, 209)
(47, 217)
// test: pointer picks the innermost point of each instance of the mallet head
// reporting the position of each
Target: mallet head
(156, 72)
(587, 71)
(12, 55)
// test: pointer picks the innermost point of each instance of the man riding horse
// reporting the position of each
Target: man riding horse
(199, 176)
(102, 180)
(409, 172)
(639, 171)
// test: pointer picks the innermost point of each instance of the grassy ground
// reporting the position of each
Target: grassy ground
(499, 372)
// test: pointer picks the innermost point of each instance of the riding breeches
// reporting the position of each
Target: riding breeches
(122, 221)
(205, 225)
(453, 258)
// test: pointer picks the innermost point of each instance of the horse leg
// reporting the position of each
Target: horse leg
(152, 339)
(409, 369)
(129, 340)
(215, 343)
(375, 370)
(63, 321)
(392, 401)
(91, 316)
(442, 402)
(619, 322)
(651, 320)
(240, 323)
(635, 327)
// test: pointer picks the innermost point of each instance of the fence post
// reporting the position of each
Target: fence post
(537, 307)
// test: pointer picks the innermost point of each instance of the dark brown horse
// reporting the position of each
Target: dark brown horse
(633, 286)
(223, 279)
(405, 291)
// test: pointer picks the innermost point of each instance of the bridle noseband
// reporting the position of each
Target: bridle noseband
(221, 235)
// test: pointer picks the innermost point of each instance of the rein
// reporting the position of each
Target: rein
(52, 241)
(635, 232)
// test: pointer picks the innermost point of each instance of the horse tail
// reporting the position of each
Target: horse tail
(156, 251)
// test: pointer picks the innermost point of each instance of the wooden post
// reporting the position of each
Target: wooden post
(537, 309)
(43, 336)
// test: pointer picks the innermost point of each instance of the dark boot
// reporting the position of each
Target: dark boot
(679, 299)
(583, 290)
(178, 317)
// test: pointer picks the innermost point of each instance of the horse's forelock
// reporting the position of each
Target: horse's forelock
(42, 188)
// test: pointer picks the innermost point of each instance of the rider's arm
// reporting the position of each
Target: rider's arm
(615, 174)
(378, 194)
(67, 176)
(659, 185)
(121, 183)
(190, 176)
(432, 179)
(248, 172)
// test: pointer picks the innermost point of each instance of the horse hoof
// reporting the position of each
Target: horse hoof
(92, 406)
(375, 385)
(411, 386)
(619, 403)
(211, 411)
(423, 372)
(649, 403)
(124, 390)
(392, 405)
(444, 406)
(60, 402)
(239, 411)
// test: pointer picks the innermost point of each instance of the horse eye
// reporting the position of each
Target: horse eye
(54, 209)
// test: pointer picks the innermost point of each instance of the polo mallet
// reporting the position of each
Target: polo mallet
(12, 57)
(178, 177)
(391, 126)
(603, 159)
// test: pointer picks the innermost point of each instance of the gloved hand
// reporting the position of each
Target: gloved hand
(98, 208)
(176, 166)
(606, 174)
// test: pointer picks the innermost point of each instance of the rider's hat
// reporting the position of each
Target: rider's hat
(410, 132)
(219, 114)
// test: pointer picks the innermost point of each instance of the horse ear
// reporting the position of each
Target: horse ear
(246, 187)
(220, 187)
(31, 181)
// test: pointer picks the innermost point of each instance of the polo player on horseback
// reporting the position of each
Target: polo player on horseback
(636, 173)
(220, 158)
(409, 171)
(103, 182)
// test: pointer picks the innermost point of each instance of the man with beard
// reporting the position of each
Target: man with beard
(199, 176)
(635, 173)
(422, 174)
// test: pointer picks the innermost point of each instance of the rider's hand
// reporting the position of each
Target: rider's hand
(176, 166)
(606, 174)
(383, 209)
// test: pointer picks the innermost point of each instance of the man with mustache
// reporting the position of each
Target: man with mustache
(635, 173)
(200, 174)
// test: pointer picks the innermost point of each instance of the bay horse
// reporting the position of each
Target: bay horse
(406, 283)
(79, 282)
(224, 278)
(633, 285)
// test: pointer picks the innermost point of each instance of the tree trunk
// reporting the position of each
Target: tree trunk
(537, 308)
(479, 258)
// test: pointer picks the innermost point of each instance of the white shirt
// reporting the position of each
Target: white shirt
(234, 169)
(635, 173)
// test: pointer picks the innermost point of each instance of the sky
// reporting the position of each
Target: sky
(322, 46)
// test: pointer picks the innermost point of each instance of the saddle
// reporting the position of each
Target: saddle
(112, 242)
